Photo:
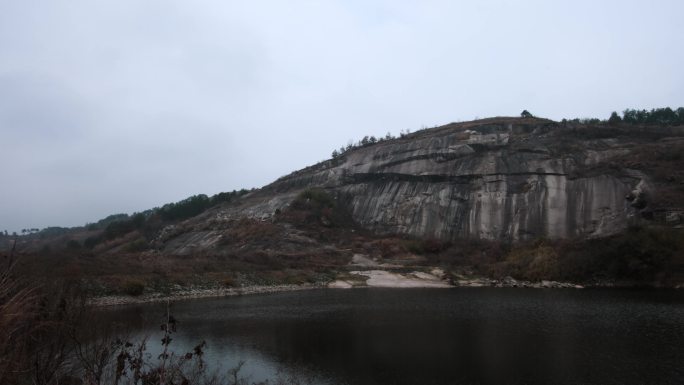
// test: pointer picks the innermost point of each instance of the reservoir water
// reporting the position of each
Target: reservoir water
(433, 336)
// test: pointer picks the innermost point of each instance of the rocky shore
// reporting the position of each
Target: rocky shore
(435, 278)
(511, 282)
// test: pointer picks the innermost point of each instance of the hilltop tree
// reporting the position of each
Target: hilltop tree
(526, 114)
(629, 116)
(655, 116)
(614, 118)
(663, 116)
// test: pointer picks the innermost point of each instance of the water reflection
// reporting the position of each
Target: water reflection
(468, 336)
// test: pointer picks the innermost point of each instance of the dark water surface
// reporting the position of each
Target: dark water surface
(436, 336)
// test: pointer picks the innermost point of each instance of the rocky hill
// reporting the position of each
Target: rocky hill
(506, 179)
(529, 198)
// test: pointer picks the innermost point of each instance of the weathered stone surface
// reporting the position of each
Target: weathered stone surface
(506, 178)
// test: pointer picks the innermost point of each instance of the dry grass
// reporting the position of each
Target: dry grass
(17, 311)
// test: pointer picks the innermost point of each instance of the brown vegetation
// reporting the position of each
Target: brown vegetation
(47, 337)
(37, 322)
(315, 238)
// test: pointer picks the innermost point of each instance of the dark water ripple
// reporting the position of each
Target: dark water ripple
(424, 336)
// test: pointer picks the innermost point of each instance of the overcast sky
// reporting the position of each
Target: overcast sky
(110, 106)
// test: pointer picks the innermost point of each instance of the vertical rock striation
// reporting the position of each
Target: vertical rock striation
(501, 178)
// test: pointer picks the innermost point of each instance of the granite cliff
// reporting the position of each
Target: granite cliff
(501, 178)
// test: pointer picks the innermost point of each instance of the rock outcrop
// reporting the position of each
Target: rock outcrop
(501, 178)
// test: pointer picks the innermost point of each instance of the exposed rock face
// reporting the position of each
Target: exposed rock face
(502, 178)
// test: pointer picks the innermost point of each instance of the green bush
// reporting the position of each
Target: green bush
(73, 244)
(414, 246)
(532, 261)
(133, 287)
(318, 206)
(139, 244)
(230, 282)
(318, 197)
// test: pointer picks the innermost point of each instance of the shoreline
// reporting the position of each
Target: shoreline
(121, 300)
(430, 283)
(125, 300)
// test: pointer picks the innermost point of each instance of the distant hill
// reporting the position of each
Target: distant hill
(498, 196)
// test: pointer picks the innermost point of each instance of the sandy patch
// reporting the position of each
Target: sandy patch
(382, 278)
(339, 284)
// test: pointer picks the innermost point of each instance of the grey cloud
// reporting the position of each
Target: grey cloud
(118, 106)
